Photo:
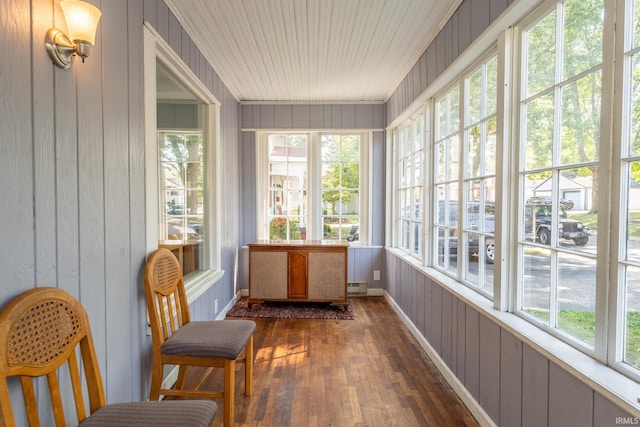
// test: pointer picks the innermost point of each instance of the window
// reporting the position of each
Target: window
(554, 176)
(315, 186)
(464, 198)
(287, 202)
(410, 161)
(181, 165)
(629, 257)
(182, 197)
(340, 187)
(446, 179)
(558, 177)
(480, 174)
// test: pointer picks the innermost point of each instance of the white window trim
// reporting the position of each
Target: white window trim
(155, 48)
(315, 181)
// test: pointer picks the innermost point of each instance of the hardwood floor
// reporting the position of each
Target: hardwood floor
(364, 372)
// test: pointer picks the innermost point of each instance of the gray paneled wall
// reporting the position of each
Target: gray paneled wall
(313, 116)
(514, 384)
(72, 179)
(469, 21)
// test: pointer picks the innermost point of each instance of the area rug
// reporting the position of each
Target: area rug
(291, 310)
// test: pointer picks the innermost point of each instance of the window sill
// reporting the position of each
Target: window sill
(198, 283)
(608, 382)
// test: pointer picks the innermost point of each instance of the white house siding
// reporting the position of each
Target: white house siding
(72, 175)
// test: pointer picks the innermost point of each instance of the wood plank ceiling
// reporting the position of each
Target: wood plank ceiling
(312, 50)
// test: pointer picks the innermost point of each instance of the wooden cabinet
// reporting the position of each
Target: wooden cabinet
(299, 270)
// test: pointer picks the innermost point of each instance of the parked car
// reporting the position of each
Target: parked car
(354, 233)
(473, 224)
(540, 210)
(175, 209)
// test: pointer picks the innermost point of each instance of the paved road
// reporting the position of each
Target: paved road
(576, 278)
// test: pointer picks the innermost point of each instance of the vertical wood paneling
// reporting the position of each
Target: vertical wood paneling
(570, 401)
(151, 13)
(116, 199)
(436, 317)
(348, 117)
(139, 377)
(175, 33)
(44, 151)
(163, 19)
(440, 53)
(267, 117)
(420, 290)
(432, 72)
(91, 192)
(510, 380)
(535, 388)
(489, 391)
(481, 12)
(16, 151)
(606, 413)
(336, 117)
(447, 332)
(461, 347)
(316, 119)
(464, 25)
(185, 47)
(472, 352)
(301, 117)
(496, 7)
(377, 200)
(283, 117)
(448, 43)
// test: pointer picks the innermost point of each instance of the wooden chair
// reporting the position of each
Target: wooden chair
(179, 341)
(45, 328)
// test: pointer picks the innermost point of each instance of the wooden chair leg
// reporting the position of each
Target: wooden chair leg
(248, 368)
(156, 381)
(229, 392)
(182, 373)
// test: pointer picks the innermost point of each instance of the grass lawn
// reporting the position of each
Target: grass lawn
(591, 221)
(581, 325)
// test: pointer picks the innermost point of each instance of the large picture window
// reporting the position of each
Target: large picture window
(315, 182)
(559, 154)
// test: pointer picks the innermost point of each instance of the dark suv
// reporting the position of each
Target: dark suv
(539, 210)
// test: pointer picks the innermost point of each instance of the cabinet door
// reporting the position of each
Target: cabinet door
(298, 274)
(327, 275)
(268, 274)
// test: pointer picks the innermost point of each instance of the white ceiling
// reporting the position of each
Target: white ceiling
(312, 50)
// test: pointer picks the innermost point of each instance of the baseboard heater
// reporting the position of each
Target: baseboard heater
(357, 288)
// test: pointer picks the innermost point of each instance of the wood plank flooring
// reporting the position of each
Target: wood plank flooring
(364, 372)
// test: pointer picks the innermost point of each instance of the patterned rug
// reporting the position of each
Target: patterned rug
(291, 310)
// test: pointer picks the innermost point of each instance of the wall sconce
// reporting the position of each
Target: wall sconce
(82, 21)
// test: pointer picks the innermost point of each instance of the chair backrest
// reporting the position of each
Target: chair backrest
(40, 331)
(166, 296)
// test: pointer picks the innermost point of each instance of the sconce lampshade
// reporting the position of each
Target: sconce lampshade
(82, 20)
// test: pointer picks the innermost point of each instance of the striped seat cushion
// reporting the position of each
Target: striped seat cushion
(222, 339)
(170, 413)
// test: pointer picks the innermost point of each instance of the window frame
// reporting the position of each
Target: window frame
(156, 49)
(314, 182)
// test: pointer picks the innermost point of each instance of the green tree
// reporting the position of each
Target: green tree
(579, 89)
